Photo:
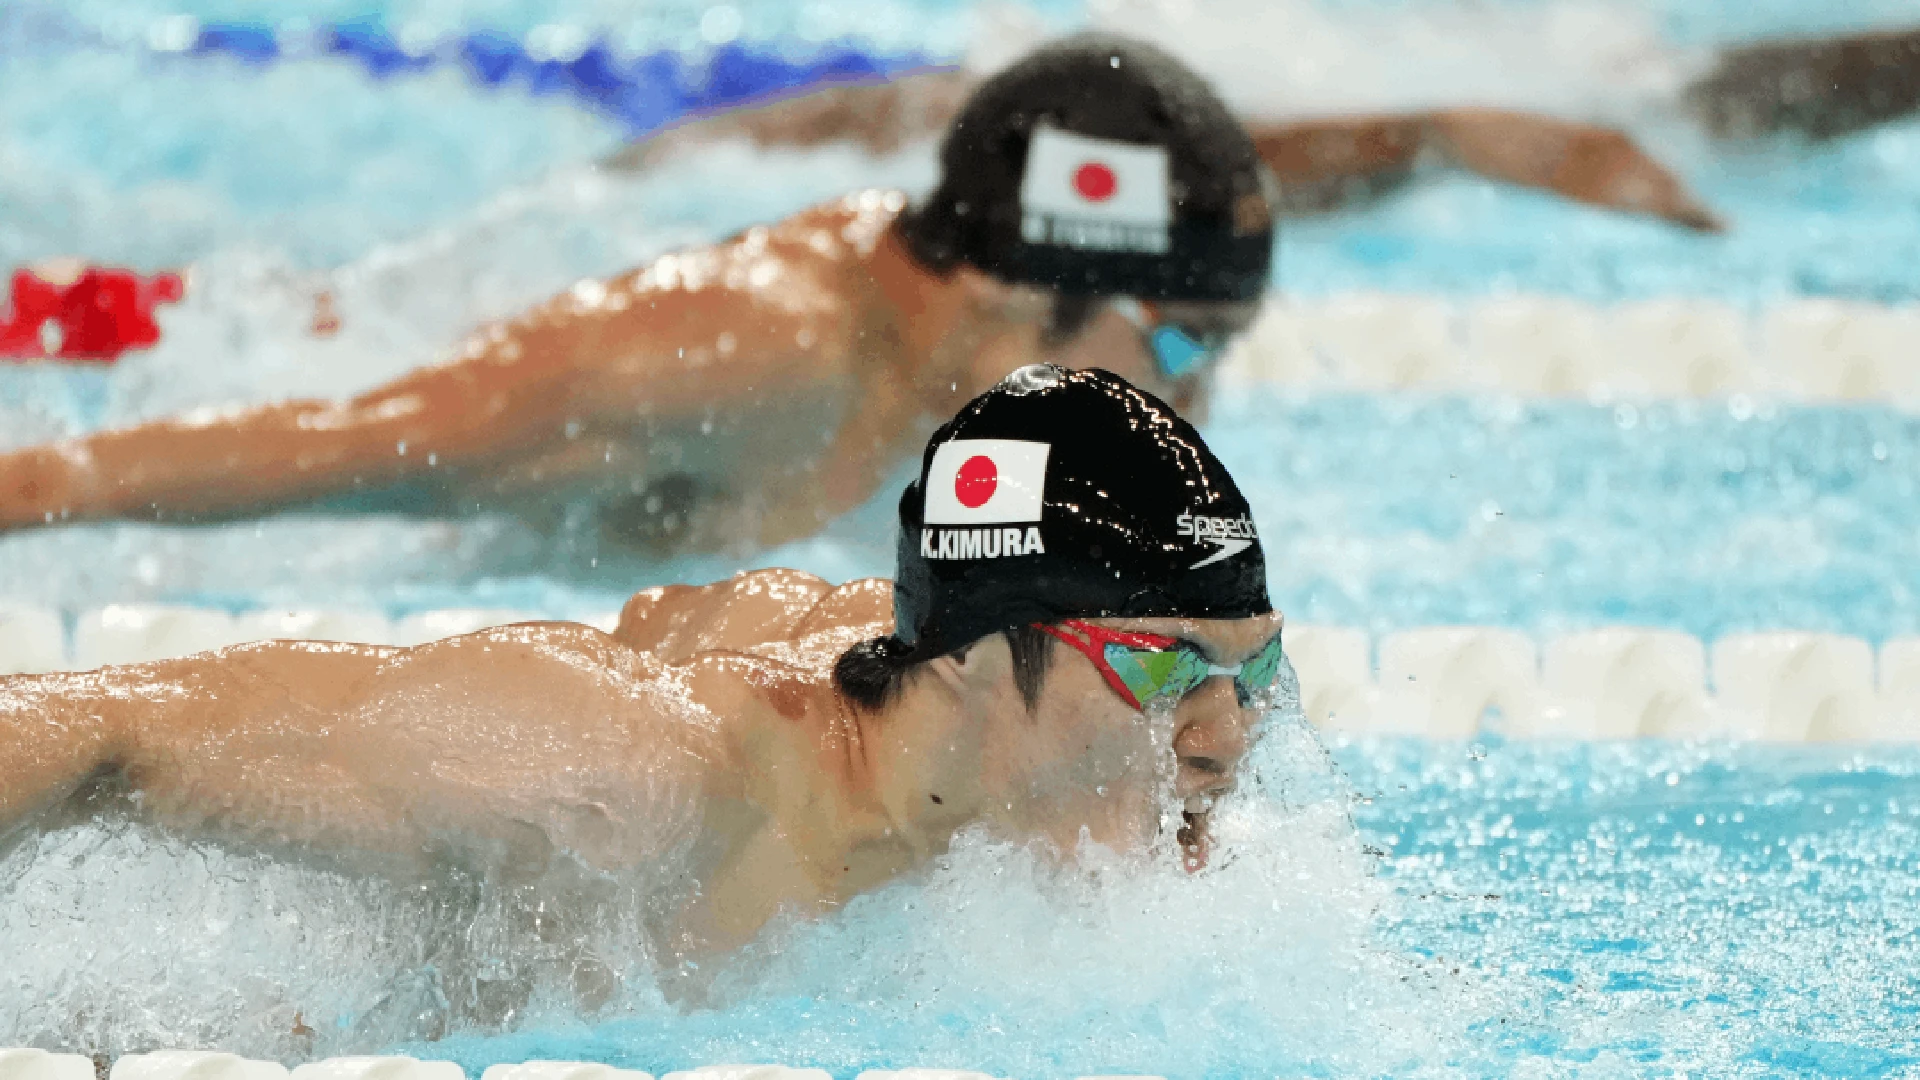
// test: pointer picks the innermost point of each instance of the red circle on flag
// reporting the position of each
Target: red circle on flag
(974, 484)
(1095, 182)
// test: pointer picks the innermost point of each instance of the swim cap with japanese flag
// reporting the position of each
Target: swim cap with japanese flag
(1101, 166)
(1069, 494)
(1095, 193)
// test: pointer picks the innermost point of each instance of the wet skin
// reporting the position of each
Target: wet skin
(723, 399)
(705, 734)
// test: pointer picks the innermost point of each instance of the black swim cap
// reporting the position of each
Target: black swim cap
(1100, 165)
(1069, 494)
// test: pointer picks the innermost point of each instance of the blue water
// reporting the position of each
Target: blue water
(1636, 910)
(1402, 908)
(1380, 513)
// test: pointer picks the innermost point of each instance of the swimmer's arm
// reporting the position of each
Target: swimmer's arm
(548, 724)
(1822, 87)
(554, 378)
(1584, 162)
(879, 116)
(268, 457)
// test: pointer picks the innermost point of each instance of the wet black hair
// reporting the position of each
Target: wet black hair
(872, 673)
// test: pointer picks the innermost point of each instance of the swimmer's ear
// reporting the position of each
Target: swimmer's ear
(958, 670)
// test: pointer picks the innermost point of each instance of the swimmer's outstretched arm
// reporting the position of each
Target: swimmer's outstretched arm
(1330, 163)
(1823, 87)
(1591, 164)
(880, 116)
(539, 395)
(548, 725)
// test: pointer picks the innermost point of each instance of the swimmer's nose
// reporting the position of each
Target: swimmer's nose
(1211, 738)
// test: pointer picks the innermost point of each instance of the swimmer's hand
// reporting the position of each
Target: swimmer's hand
(1590, 164)
(1341, 161)
(1821, 87)
(36, 485)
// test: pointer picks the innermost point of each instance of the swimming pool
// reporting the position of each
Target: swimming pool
(1406, 908)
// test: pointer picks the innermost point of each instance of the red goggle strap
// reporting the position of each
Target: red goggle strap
(1130, 639)
(1094, 649)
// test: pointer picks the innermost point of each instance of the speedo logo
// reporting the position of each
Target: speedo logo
(980, 543)
(1231, 535)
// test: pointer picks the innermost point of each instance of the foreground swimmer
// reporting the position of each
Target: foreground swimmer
(1097, 204)
(1080, 633)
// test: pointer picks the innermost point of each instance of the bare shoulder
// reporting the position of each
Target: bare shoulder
(848, 227)
(748, 609)
(862, 607)
(789, 615)
(776, 713)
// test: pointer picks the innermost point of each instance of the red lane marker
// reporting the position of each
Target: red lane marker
(96, 317)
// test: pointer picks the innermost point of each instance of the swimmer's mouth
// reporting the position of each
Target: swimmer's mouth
(1196, 842)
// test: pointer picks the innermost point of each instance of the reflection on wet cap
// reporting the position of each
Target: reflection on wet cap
(1100, 165)
(1069, 494)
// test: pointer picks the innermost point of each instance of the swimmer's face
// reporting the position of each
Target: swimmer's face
(1085, 758)
(1002, 327)
(1120, 344)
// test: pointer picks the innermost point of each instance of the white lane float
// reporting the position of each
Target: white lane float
(1538, 346)
(561, 1070)
(1900, 690)
(425, 626)
(1336, 675)
(23, 1063)
(32, 639)
(748, 1072)
(923, 1074)
(1678, 348)
(1791, 687)
(140, 633)
(1448, 682)
(194, 1065)
(1386, 342)
(1624, 682)
(394, 1067)
(271, 624)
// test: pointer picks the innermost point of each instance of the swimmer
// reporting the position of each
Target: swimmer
(1822, 87)
(1079, 642)
(1097, 204)
(1322, 164)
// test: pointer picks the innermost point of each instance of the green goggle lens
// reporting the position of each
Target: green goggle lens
(1174, 673)
(1157, 673)
(1260, 671)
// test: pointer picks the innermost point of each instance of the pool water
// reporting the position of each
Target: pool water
(1405, 908)
(1380, 907)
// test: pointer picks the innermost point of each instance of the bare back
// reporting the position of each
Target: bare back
(718, 743)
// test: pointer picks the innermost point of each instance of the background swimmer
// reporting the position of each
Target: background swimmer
(741, 395)
(772, 735)
(1321, 164)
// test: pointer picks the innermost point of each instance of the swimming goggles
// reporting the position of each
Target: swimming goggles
(1144, 668)
(1179, 349)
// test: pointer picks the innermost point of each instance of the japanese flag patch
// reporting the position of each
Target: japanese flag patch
(986, 482)
(1096, 194)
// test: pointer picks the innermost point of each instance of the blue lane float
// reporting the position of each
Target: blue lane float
(642, 93)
